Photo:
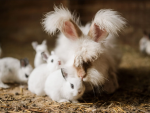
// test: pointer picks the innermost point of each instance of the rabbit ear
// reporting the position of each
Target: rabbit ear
(44, 56)
(62, 20)
(34, 45)
(71, 30)
(96, 33)
(105, 22)
(24, 62)
(52, 52)
(64, 74)
(44, 42)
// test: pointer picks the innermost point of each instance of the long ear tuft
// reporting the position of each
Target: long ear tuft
(34, 45)
(61, 19)
(106, 21)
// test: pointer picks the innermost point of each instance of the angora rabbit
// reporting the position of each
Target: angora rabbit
(93, 46)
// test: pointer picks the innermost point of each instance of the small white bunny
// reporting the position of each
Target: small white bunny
(93, 46)
(12, 70)
(39, 48)
(148, 47)
(62, 87)
(39, 74)
(143, 43)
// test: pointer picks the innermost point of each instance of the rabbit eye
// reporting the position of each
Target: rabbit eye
(72, 86)
(26, 75)
(52, 60)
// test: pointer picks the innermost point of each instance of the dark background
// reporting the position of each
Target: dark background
(20, 20)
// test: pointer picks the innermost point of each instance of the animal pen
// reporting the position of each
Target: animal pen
(20, 25)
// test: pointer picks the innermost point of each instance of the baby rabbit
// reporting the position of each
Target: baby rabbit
(96, 57)
(39, 48)
(144, 42)
(39, 74)
(148, 46)
(12, 70)
(62, 87)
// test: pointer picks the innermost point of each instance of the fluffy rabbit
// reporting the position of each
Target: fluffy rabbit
(12, 70)
(143, 42)
(39, 74)
(39, 48)
(62, 87)
(96, 57)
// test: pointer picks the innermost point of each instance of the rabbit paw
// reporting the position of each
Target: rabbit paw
(75, 101)
(4, 85)
(112, 85)
(64, 100)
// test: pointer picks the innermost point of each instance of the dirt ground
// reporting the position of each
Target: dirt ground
(132, 96)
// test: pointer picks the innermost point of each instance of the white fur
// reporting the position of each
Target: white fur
(55, 19)
(59, 88)
(102, 54)
(39, 48)
(148, 47)
(88, 48)
(11, 71)
(109, 20)
(143, 44)
(39, 75)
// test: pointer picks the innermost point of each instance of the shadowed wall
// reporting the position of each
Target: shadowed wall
(21, 19)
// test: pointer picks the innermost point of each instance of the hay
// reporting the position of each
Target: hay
(132, 96)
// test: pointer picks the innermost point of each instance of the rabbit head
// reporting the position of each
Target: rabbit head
(53, 61)
(39, 48)
(25, 70)
(74, 87)
(89, 45)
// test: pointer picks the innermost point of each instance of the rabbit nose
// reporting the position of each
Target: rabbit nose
(59, 62)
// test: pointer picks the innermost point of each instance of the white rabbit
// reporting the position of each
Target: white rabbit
(12, 70)
(39, 48)
(0, 51)
(60, 86)
(96, 57)
(39, 74)
(143, 42)
(148, 47)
